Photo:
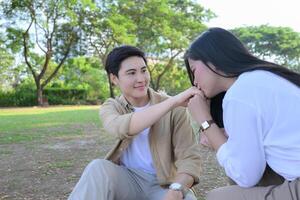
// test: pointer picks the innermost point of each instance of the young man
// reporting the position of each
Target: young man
(156, 155)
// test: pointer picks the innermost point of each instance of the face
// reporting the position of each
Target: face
(204, 79)
(133, 80)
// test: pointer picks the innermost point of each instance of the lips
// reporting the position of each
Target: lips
(142, 87)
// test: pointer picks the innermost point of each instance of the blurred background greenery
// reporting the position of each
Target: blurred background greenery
(53, 51)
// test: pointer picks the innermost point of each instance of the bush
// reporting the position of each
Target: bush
(25, 96)
(65, 96)
(18, 98)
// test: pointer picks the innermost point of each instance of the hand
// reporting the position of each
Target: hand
(199, 107)
(173, 195)
(182, 98)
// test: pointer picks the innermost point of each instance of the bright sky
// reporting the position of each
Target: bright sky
(237, 13)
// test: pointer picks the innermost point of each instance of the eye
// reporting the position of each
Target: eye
(144, 70)
(131, 73)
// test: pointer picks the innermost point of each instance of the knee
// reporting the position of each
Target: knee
(98, 165)
(190, 196)
(214, 194)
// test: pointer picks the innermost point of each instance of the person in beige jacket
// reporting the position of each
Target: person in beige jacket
(156, 155)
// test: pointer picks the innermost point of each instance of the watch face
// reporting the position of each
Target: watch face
(205, 125)
(175, 186)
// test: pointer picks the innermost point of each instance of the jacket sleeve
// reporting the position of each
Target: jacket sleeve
(186, 149)
(113, 119)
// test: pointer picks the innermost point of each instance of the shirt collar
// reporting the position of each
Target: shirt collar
(151, 94)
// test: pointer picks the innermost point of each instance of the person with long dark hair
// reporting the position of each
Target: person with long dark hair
(261, 115)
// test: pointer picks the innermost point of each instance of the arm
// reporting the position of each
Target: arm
(185, 180)
(243, 147)
(116, 121)
(199, 108)
(186, 149)
(186, 153)
(243, 156)
(155, 112)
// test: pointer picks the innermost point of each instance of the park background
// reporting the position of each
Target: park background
(52, 79)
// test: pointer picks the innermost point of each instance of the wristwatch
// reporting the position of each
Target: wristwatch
(179, 187)
(206, 124)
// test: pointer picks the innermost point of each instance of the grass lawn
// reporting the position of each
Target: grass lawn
(43, 148)
(27, 124)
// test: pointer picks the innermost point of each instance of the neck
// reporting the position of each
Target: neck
(227, 83)
(138, 102)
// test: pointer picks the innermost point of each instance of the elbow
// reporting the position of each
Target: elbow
(247, 180)
(247, 183)
(244, 177)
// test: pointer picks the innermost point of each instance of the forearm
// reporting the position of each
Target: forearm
(146, 118)
(184, 179)
(215, 136)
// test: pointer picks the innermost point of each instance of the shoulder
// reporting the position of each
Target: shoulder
(256, 78)
(112, 105)
(111, 102)
(251, 84)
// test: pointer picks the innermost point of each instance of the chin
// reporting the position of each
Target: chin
(141, 94)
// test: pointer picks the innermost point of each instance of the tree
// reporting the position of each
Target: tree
(6, 61)
(44, 29)
(105, 27)
(278, 44)
(164, 30)
(84, 73)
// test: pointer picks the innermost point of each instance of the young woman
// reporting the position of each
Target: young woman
(261, 114)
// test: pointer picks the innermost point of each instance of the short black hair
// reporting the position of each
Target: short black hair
(118, 54)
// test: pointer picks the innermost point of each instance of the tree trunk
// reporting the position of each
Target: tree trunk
(39, 93)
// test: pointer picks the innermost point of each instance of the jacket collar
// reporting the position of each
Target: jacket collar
(153, 96)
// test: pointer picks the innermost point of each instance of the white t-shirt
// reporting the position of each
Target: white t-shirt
(261, 114)
(138, 154)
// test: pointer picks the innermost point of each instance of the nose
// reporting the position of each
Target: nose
(140, 77)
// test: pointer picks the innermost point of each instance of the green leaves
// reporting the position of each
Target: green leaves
(278, 44)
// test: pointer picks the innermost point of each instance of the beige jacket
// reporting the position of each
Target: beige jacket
(172, 142)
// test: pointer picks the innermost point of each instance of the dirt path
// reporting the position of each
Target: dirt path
(50, 169)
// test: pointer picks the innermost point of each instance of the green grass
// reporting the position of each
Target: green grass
(27, 124)
(61, 164)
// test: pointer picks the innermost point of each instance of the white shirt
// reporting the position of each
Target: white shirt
(261, 114)
(138, 154)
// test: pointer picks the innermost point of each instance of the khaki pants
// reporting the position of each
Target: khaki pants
(104, 180)
(271, 187)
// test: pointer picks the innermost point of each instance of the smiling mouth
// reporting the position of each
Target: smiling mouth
(140, 87)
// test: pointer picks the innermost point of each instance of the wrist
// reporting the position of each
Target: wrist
(177, 187)
(206, 124)
(173, 102)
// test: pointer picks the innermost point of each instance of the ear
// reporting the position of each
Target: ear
(114, 79)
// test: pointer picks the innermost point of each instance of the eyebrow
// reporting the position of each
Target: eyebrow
(130, 70)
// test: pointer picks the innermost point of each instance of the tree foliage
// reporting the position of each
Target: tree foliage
(278, 44)
(45, 28)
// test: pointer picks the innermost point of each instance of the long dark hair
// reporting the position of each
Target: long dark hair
(228, 54)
